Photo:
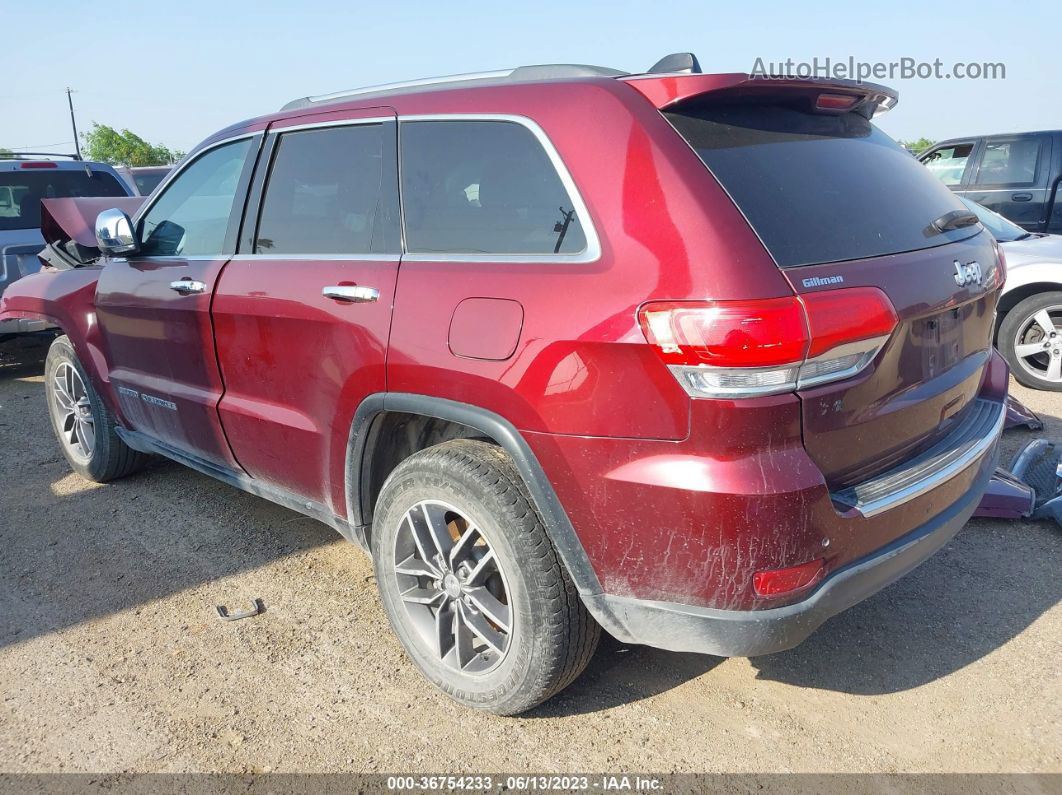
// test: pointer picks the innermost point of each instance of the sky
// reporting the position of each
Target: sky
(176, 72)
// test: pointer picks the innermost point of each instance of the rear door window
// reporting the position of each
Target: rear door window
(1009, 163)
(819, 188)
(949, 162)
(483, 187)
(324, 191)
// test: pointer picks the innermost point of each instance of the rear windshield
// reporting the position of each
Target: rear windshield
(21, 192)
(819, 188)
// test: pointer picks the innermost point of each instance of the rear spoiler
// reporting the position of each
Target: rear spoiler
(825, 96)
(69, 228)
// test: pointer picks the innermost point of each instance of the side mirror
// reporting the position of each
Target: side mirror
(114, 233)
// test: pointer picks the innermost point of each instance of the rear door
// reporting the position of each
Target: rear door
(154, 308)
(302, 313)
(838, 204)
(1012, 178)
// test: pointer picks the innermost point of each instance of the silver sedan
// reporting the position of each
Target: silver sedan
(1029, 328)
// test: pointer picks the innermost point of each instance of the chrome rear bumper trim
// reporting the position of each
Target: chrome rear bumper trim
(963, 446)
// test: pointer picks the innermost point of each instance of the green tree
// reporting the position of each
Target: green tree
(124, 148)
(919, 146)
(5, 152)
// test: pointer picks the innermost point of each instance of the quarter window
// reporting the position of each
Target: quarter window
(323, 194)
(483, 187)
(1009, 162)
(192, 216)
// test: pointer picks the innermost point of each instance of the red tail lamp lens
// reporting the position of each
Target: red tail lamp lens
(727, 334)
(39, 164)
(778, 582)
(837, 317)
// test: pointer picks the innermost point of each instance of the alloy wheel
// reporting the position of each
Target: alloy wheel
(73, 411)
(1038, 344)
(452, 588)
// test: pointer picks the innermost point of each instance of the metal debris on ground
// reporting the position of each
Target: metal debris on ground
(257, 608)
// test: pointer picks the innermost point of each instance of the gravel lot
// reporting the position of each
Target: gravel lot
(112, 657)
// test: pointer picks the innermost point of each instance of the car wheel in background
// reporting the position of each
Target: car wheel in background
(1030, 338)
(471, 583)
(82, 422)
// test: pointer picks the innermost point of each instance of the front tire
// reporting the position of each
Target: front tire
(471, 583)
(1030, 339)
(83, 425)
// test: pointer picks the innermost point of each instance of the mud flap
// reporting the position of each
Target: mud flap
(1031, 487)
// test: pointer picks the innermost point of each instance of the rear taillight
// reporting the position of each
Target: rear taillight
(39, 164)
(1000, 273)
(731, 349)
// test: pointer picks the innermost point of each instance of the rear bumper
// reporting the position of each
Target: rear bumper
(747, 633)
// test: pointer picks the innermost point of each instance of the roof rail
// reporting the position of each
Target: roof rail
(500, 76)
(675, 63)
(19, 155)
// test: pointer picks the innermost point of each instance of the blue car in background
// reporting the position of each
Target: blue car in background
(23, 183)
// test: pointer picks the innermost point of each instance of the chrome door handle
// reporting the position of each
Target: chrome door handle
(351, 294)
(187, 286)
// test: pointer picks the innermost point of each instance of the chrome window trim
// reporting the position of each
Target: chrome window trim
(180, 169)
(975, 189)
(395, 258)
(176, 258)
(591, 253)
(313, 125)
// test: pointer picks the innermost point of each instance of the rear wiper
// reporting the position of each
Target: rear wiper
(954, 219)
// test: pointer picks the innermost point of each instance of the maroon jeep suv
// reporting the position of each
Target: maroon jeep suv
(700, 360)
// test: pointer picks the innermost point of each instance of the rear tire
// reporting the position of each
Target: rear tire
(482, 605)
(83, 425)
(1022, 337)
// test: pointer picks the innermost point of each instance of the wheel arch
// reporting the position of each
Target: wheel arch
(370, 459)
(1011, 298)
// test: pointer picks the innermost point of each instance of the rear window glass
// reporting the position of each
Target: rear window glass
(819, 188)
(483, 187)
(21, 192)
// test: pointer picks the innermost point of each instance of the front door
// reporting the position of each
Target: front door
(153, 308)
(303, 311)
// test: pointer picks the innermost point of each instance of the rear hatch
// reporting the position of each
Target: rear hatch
(838, 204)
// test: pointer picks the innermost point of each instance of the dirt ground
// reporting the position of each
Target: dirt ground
(112, 657)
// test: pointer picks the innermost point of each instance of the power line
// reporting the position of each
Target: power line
(39, 146)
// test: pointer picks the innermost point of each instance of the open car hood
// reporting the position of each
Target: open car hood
(69, 228)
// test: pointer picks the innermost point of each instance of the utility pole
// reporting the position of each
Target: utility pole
(73, 121)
